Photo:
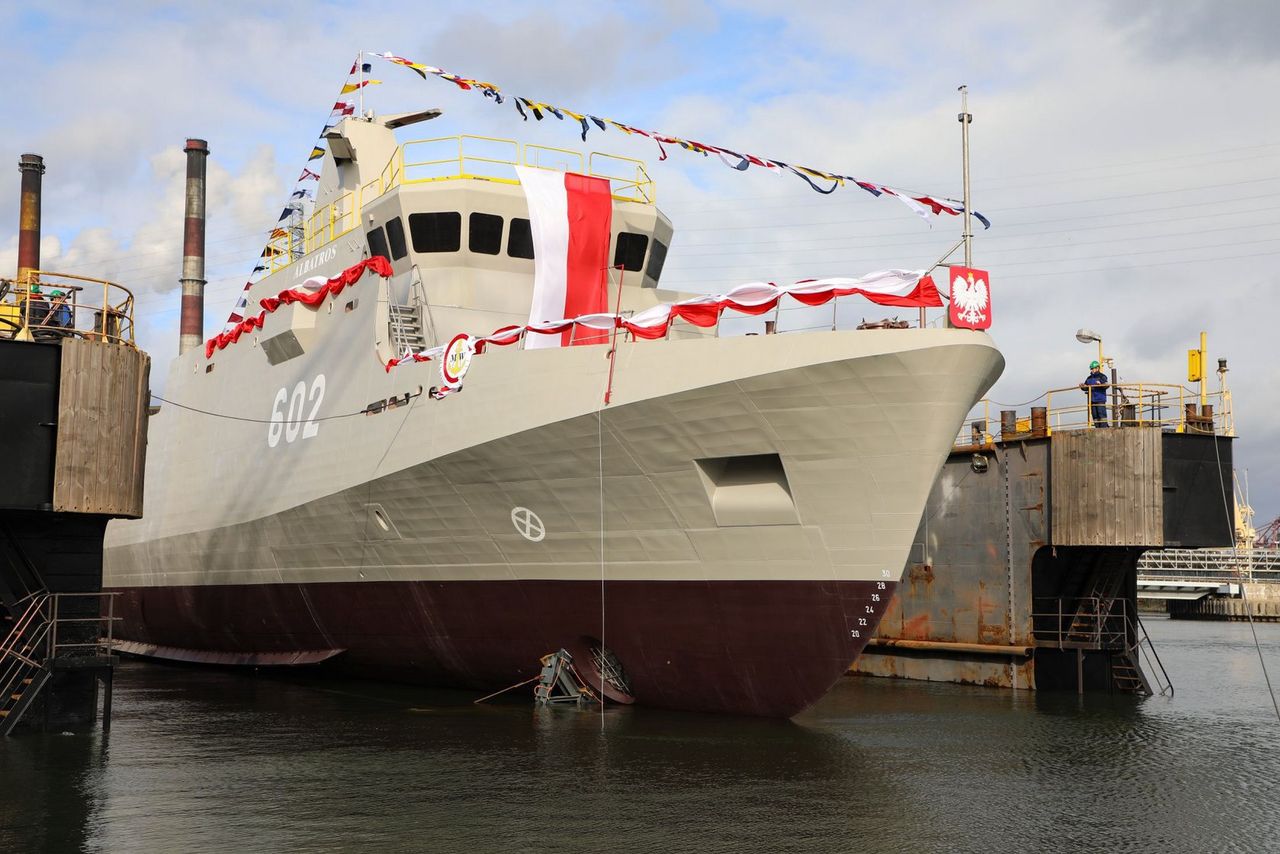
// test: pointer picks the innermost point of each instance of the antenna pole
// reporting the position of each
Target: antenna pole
(360, 81)
(966, 118)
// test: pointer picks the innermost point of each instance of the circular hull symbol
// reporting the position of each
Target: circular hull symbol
(456, 360)
(528, 525)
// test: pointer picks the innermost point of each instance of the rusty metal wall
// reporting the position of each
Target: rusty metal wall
(963, 612)
(966, 591)
(1108, 487)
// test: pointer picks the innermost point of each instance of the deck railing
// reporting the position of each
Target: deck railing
(452, 158)
(48, 305)
(1162, 405)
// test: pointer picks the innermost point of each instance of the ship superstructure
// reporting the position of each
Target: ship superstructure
(723, 536)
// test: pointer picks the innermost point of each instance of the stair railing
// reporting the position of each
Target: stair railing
(1142, 645)
(33, 643)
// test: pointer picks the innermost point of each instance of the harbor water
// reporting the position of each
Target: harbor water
(218, 760)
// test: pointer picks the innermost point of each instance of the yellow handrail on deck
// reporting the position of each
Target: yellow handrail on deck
(90, 308)
(1166, 406)
(465, 157)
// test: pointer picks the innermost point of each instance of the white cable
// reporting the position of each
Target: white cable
(1244, 593)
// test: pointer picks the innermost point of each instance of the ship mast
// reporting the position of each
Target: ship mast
(966, 118)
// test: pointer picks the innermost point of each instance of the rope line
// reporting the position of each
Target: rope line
(1244, 593)
(411, 396)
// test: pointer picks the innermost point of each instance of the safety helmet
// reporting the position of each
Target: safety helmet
(1094, 364)
(55, 293)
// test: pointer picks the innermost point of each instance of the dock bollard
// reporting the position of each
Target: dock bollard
(1008, 424)
(977, 431)
(1039, 421)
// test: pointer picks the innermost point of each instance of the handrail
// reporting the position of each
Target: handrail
(1167, 406)
(1142, 642)
(497, 163)
(89, 308)
(1085, 623)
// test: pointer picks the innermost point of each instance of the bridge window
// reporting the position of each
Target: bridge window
(629, 253)
(520, 239)
(378, 242)
(436, 232)
(484, 233)
(395, 238)
(657, 258)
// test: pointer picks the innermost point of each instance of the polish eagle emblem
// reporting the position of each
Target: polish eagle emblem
(970, 298)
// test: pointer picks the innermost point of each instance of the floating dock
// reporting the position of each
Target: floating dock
(1024, 570)
(73, 417)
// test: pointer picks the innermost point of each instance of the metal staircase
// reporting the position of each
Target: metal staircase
(406, 328)
(54, 631)
(1104, 620)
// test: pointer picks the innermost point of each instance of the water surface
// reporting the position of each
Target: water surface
(216, 760)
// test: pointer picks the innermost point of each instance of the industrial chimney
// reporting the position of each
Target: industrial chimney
(32, 168)
(191, 328)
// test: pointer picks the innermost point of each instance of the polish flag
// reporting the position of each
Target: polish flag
(570, 216)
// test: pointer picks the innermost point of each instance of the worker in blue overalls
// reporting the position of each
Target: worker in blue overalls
(1096, 385)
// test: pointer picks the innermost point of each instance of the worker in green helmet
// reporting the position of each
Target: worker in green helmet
(1096, 385)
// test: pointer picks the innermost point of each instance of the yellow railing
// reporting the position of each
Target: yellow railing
(451, 158)
(49, 305)
(1162, 405)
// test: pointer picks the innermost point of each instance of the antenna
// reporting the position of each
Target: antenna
(360, 80)
(966, 118)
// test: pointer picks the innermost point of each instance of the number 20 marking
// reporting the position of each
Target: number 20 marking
(289, 423)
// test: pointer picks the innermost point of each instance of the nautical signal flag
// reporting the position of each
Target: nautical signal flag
(307, 174)
(970, 298)
(351, 87)
(316, 152)
(343, 108)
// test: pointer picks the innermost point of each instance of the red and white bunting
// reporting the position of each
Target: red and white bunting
(898, 288)
(311, 295)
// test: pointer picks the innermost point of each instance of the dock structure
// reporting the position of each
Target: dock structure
(73, 418)
(1024, 569)
(1213, 584)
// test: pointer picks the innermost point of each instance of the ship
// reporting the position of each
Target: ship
(723, 535)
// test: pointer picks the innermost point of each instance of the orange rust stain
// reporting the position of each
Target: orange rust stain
(917, 628)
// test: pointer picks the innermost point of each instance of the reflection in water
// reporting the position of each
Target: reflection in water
(208, 760)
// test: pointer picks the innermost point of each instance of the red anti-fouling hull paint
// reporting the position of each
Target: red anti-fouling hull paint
(767, 648)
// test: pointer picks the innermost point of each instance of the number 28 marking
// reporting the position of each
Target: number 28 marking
(288, 424)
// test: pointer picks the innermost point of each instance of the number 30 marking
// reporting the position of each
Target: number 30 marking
(290, 422)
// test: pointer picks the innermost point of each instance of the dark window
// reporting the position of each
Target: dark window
(378, 243)
(395, 237)
(484, 233)
(630, 252)
(520, 239)
(657, 258)
(436, 232)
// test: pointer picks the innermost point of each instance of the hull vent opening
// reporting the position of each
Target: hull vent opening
(748, 490)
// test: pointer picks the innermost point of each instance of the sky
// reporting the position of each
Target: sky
(1127, 153)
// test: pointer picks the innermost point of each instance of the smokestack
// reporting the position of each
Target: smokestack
(191, 328)
(32, 168)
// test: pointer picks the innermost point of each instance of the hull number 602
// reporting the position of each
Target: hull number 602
(293, 413)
